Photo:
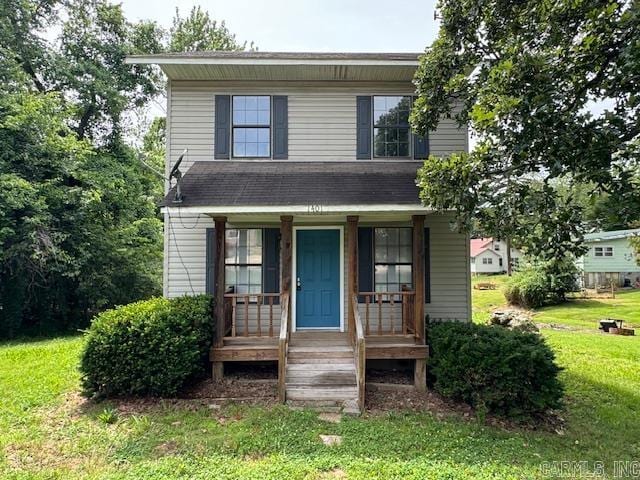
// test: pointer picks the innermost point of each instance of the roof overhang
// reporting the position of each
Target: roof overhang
(299, 210)
(265, 66)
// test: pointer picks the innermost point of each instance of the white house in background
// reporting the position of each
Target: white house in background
(610, 258)
(489, 255)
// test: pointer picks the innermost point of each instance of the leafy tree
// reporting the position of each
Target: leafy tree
(79, 223)
(199, 32)
(523, 75)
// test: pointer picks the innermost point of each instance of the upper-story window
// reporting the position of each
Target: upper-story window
(391, 131)
(603, 251)
(496, 247)
(251, 126)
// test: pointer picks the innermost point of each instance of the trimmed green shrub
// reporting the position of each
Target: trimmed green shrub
(528, 288)
(493, 369)
(153, 347)
(542, 283)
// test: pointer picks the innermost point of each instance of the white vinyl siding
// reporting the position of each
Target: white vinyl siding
(450, 284)
(450, 279)
(322, 119)
(186, 254)
(322, 126)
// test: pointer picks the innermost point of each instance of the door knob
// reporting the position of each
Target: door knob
(298, 284)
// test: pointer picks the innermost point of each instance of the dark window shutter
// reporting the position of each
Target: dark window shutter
(427, 267)
(280, 127)
(365, 259)
(271, 261)
(223, 126)
(420, 144)
(363, 128)
(210, 271)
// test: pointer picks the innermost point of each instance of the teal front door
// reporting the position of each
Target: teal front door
(317, 279)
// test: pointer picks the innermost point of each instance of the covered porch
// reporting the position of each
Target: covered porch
(336, 284)
(379, 325)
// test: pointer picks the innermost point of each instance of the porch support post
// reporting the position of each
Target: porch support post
(352, 281)
(286, 235)
(220, 226)
(418, 285)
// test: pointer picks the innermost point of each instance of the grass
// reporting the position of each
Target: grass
(577, 312)
(48, 431)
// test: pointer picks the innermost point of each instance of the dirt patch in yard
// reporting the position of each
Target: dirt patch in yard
(380, 401)
(234, 389)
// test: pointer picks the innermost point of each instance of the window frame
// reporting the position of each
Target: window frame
(487, 260)
(397, 126)
(234, 264)
(603, 252)
(256, 126)
(375, 263)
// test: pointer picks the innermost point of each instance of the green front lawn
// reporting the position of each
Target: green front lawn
(48, 431)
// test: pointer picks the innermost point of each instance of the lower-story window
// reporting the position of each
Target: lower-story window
(243, 260)
(393, 259)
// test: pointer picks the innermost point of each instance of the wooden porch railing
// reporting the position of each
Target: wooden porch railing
(283, 346)
(359, 352)
(388, 313)
(239, 306)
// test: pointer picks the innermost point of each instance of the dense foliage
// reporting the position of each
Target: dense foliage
(530, 77)
(79, 223)
(532, 286)
(493, 369)
(151, 347)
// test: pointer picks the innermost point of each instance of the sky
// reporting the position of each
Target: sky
(309, 25)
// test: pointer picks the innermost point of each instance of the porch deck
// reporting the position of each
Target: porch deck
(321, 368)
(255, 349)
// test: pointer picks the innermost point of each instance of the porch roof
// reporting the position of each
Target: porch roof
(286, 184)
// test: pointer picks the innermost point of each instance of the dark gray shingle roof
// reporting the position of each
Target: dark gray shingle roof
(276, 183)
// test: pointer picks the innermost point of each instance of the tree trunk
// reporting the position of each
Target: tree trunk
(508, 239)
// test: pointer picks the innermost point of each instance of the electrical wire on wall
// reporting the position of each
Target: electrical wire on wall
(175, 173)
(172, 233)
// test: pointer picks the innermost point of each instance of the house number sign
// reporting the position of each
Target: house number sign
(314, 209)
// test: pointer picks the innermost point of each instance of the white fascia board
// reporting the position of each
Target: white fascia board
(300, 209)
(266, 61)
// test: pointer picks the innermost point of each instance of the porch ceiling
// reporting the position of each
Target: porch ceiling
(299, 187)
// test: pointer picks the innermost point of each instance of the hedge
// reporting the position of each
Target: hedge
(493, 369)
(153, 347)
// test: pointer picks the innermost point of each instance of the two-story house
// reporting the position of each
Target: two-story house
(610, 259)
(298, 211)
(489, 255)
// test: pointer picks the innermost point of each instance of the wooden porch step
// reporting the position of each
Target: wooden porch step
(331, 393)
(321, 372)
(310, 359)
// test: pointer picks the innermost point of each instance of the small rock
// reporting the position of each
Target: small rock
(214, 406)
(331, 440)
(513, 319)
(176, 424)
